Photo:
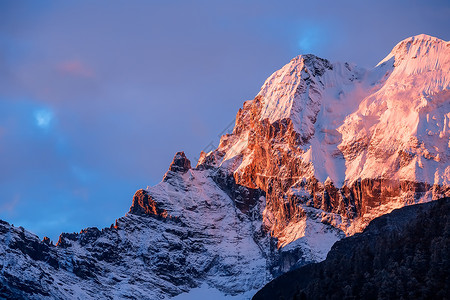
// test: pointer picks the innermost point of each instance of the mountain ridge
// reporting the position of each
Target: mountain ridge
(323, 149)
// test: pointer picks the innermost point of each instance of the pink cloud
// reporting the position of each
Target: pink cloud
(75, 67)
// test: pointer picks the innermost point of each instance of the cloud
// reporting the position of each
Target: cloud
(75, 67)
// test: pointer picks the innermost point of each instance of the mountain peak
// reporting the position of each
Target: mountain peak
(180, 163)
(292, 91)
(421, 37)
(418, 46)
(337, 116)
(417, 42)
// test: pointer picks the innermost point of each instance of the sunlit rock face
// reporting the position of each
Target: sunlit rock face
(351, 142)
(143, 204)
(323, 149)
(180, 163)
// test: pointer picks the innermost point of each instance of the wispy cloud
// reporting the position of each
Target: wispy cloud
(76, 68)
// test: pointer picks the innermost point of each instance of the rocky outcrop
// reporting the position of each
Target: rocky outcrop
(180, 163)
(143, 204)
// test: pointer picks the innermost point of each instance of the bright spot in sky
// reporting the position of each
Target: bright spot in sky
(43, 118)
(309, 40)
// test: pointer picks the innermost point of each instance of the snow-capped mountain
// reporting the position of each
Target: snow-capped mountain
(323, 149)
(351, 142)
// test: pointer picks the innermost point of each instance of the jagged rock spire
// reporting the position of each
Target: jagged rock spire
(180, 163)
(143, 204)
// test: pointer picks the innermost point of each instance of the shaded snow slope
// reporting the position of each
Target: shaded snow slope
(201, 239)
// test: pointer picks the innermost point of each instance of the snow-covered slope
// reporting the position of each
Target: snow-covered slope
(352, 142)
(196, 237)
(405, 121)
(322, 150)
(367, 116)
(194, 230)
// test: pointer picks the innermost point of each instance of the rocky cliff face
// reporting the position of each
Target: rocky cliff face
(353, 143)
(323, 149)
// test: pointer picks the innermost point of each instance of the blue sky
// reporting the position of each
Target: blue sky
(96, 97)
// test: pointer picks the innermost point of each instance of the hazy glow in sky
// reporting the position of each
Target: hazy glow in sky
(97, 97)
(310, 39)
(43, 118)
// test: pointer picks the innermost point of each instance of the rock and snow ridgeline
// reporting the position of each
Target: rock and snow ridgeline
(354, 143)
(322, 150)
